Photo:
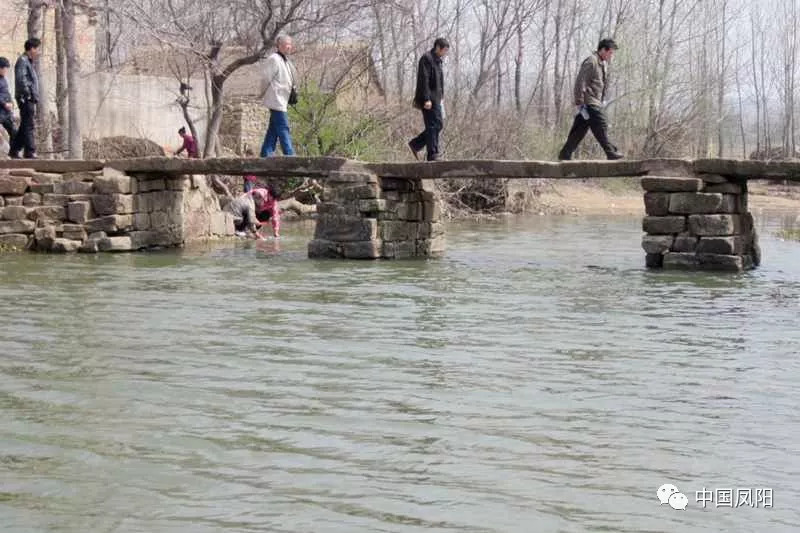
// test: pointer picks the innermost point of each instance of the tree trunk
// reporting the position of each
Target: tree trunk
(290, 204)
(518, 66)
(756, 86)
(210, 147)
(104, 41)
(61, 83)
(218, 79)
(558, 74)
(543, 102)
(789, 75)
(36, 20)
(741, 107)
(721, 87)
(382, 50)
(184, 100)
(73, 69)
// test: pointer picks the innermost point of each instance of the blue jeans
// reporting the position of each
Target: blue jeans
(278, 130)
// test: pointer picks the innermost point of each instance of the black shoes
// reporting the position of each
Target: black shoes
(413, 152)
(26, 156)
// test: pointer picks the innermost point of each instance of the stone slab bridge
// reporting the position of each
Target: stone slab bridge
(696, 210)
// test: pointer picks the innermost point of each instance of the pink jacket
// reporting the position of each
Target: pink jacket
(266, 202)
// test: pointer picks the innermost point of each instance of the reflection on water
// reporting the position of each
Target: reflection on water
(537, 378)
(789, 226)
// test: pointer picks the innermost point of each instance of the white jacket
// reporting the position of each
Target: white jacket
(279, 76)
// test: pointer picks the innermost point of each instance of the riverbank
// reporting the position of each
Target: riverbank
(624, 196)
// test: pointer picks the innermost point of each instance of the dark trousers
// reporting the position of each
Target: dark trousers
(8, 123)
(597, 123)
(25, 136)
(429, 138)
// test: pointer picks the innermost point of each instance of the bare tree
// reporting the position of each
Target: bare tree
(75, 141)
(789, 46)
(62, 105)
(36, 24)
(691, 76)
(226, 38)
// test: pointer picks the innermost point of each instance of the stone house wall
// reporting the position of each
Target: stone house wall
(243, 127)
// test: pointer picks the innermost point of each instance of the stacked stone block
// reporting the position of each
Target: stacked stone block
(243, 126)
(698, 223)
(363, 216)
(105, 211)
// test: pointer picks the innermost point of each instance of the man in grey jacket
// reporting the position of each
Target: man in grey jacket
(26, 92)
(589, 96)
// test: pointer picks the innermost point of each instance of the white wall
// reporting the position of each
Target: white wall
(136, 106)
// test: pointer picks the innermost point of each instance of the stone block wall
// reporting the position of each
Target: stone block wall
(363, 216)
(698, 223)
(105, 211)
(243, 126)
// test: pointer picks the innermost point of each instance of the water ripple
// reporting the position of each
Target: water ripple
(535, 379)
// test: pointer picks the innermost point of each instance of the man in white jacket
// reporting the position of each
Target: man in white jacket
(278, 82)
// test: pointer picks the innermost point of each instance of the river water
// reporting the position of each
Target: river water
(537, 378)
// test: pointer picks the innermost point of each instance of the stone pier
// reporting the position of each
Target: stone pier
(698, 223)
(364, 216)
(105, 210)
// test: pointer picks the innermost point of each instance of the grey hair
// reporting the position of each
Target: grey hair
(281, 38)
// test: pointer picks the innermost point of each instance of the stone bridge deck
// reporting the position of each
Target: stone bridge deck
(697, 213)
(320, 167)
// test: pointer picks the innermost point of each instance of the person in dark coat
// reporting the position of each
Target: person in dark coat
(26, 92)
(6, 103)
(429, 98)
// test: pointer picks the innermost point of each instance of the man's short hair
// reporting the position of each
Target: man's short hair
(4, 63)
(441, 43)
(281, 38)
(181, 131)
(33, 42)
(607, 44)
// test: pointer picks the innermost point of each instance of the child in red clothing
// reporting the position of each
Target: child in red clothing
(250, 182)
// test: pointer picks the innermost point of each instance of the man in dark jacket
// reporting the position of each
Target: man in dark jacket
(6, 103)
(429, 97)
(26, 91)
(589, 98)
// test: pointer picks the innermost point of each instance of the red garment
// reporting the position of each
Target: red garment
(190, 145)
(266, 202)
